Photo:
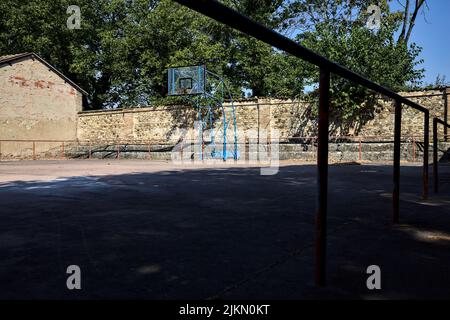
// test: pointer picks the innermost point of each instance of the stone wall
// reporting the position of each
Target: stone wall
(291, 118)
(35, 104)
(165, 124)
(412, 120)
(155, 125)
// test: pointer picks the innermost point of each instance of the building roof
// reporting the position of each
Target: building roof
(9, 59)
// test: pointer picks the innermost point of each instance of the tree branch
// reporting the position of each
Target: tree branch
(419, 4)
(405, 22)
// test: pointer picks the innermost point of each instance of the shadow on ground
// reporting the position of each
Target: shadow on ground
(222, 234)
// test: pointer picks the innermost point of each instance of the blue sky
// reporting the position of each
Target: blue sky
(433, 35)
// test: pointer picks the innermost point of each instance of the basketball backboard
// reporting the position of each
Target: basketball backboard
(186, 80)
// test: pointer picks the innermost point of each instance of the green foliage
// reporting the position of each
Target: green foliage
(124, 47)
(337, 31)
(440, 82)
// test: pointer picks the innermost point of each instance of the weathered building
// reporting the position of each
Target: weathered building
(37, 102)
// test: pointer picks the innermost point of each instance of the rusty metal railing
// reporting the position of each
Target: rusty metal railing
(94, 146)
(232, 18)
(436, 122)
(63, 144)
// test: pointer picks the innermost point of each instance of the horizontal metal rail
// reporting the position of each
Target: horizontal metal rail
(145, 142)
(368, 139)
(66, 146)
(442, 122)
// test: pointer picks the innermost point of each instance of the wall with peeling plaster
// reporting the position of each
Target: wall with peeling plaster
(36, 104)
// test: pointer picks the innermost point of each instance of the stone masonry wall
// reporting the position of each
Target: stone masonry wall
(155, 125)
(412, 120)
(291, 118)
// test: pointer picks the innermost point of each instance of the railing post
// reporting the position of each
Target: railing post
(0, 150)
(360, 150)
(90, 150)
(269, 147)
(62, 151)
(446, 91)
(118, 152)
(182, 149)
(314, 140)
(247, 149)
(34, 150)
(322, 176)
(435, 156)
(149, 151)
(426, 146)
(203, 150)
(413, 141)
(397, 146)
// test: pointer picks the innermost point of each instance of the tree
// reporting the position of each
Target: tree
(40, 26)
(409, 20)
(337, 30)
(121, 53)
